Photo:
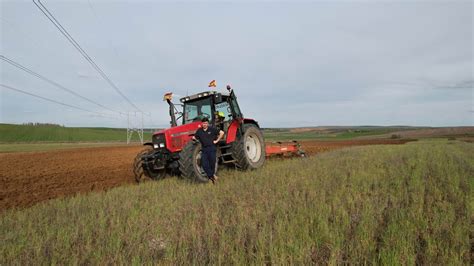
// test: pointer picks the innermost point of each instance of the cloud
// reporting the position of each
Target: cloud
(86, 75)
(304, 63)
(467, 84)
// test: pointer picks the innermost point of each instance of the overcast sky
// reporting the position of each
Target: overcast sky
(290, 63)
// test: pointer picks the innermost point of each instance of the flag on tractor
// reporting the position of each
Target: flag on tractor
(167, 96)
(212, 83)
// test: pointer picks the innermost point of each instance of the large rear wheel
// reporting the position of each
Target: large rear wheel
(190, 163)
(249, 148)
(140, 174)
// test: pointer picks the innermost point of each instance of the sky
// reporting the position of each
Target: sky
(291, 64)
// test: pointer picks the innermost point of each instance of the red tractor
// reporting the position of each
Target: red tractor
(172, 150)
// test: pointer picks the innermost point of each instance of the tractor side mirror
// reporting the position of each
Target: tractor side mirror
(217, 98)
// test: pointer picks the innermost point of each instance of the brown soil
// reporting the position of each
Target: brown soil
(32, 177)
(312, 147)
(28, 178)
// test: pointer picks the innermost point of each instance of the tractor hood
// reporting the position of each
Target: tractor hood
(177, 137)
(180, 129)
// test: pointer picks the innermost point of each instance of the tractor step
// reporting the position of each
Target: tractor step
(225, 146)
(228, 154)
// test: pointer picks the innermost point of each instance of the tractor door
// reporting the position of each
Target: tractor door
(223, 115)
(234, 106)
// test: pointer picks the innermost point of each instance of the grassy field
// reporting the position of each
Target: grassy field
(49, 133)
(404, 204)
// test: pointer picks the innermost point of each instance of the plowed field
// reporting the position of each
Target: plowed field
(28, 178)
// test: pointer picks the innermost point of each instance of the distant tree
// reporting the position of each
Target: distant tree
(37, 124)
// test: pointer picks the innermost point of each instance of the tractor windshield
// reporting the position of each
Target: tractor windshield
(196, 110)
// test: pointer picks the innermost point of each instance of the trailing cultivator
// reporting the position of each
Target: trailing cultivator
(284, 149)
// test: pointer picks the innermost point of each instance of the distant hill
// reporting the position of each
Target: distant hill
(366, 132)
(330, 132)
(437, 132)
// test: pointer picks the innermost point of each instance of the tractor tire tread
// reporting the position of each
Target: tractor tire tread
(186, 163)
(137, 166)
(238, 150)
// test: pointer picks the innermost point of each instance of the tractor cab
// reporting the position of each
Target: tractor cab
(219, 108)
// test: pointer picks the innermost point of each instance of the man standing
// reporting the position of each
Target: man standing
(209, 136)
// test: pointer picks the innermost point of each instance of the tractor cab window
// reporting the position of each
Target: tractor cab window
(236, 108)
(197, 110)
(223, 111)
(223, 116)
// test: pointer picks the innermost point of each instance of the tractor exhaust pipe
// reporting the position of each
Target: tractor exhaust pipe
(168, 97)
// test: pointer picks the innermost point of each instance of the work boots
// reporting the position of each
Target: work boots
(213, 179)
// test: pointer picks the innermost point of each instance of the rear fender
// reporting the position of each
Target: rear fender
(232, 131)
(235, 125)
(251, 121)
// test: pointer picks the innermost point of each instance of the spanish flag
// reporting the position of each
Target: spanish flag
(212, 83)
(168, 96)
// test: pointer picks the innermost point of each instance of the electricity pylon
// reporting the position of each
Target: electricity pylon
(135, 125)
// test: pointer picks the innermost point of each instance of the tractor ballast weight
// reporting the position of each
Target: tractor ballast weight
(172, 149)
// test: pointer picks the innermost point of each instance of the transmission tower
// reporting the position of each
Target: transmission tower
(134, 124)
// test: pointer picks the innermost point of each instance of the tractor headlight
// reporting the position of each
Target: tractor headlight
(160, 145)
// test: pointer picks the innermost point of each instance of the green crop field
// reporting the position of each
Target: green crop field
(387, 204)
(51, 133)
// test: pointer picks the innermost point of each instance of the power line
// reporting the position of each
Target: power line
(54, 101)
(78, 47)
(100, 22)
(31, 72)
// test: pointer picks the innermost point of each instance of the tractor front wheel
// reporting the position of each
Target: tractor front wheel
(140, 174)
(190, 163)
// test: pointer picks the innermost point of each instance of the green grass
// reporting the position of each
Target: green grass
(382, 204)
(48, 133)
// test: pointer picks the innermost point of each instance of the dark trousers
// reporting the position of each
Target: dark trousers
(208, 160)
